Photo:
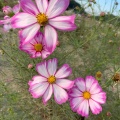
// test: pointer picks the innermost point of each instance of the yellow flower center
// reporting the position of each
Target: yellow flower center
(42, 19)
(51, 79)
(38, 47)
(86, 95)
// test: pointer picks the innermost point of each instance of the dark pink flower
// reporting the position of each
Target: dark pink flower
(36, 47)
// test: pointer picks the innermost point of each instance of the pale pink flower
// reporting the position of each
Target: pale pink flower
(51, 81)
(45, 14)
(86, 94)
(7, 18)
(36, 47)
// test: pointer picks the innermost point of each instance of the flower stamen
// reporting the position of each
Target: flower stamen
(86, 95)
(51, 79)
(38, 47)
(42, 19)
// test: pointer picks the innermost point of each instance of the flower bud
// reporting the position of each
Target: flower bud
(30, 66)
(108, 114)
(102, 14)
(116, 3)
(58, 43)
(98, 74)
(7, 10)
(116, 77)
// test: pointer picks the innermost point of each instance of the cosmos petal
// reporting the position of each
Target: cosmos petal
(50, 38)
(65, 83)
(48, 93)
(65, 23)
(28, 7)
(99, 97)
(29, 33)
(95, 107)
(42, 69)
(83, 108)
(60, 95)
(42, 5)
(22, 20)
(37, 90)
(56, 7)
(64, 71)
(52, 66)
(80, 83)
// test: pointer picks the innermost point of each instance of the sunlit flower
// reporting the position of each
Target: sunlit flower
(51, 81)
(46, 15)
(36, 47)
(7, 18)
(86, 93)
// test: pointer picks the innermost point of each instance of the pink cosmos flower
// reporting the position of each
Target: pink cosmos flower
(9, 13)
(86, 93)
(36, 47)
(46, 15)
(51, 81)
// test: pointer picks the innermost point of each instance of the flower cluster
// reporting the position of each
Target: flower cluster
(44, 15)
(37, 24)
